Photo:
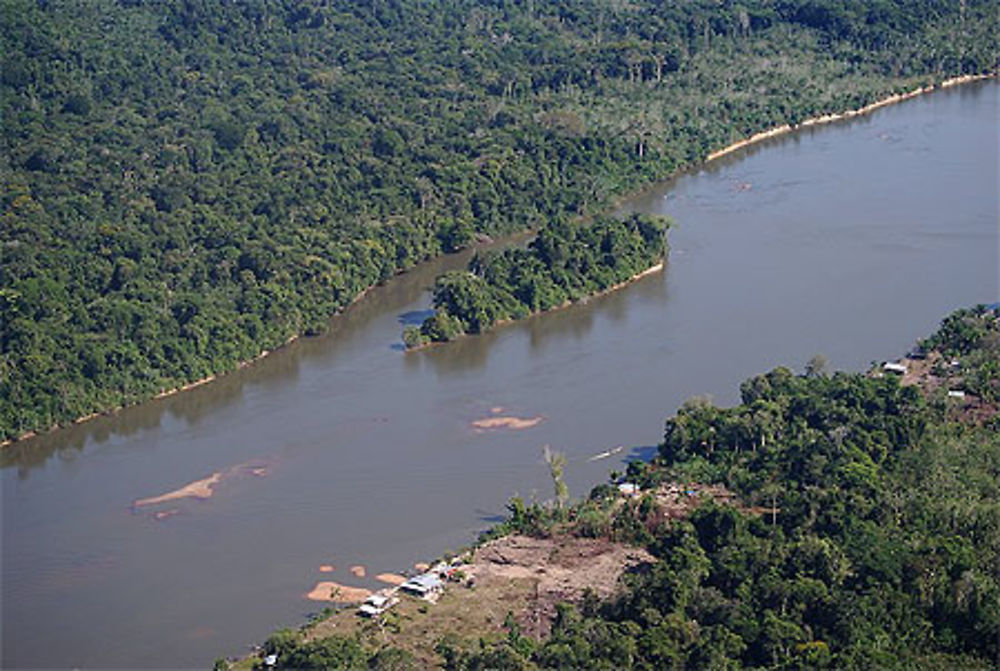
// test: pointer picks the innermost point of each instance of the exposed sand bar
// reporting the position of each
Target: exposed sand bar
(390, 578)
(205, 487)
(165, 514)
(828, 118)
(516, 423)
(199, 489)
(335, 592)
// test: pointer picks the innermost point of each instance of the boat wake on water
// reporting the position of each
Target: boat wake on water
(606, 453)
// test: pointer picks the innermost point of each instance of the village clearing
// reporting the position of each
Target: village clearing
(517, 574)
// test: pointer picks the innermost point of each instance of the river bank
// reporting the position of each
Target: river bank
(166, 393)
(562, 306)
(849, 114)
(758, 137)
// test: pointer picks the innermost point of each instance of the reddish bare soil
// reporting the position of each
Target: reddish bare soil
(560, 568)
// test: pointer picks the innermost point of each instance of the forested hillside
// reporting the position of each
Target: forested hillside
(189, 182)
(860, 530)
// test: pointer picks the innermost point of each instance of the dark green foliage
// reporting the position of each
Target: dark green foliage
(394, 659)
(875, 544)
(186, 184)
(564, 263)
(282, 642)
(532, 519)
(333, 652)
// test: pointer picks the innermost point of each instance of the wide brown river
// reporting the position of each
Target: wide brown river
(851, 240)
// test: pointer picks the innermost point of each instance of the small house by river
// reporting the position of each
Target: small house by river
(426, 585)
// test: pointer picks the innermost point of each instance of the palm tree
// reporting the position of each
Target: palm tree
(557, 466)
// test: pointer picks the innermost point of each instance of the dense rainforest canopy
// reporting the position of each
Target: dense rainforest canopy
(864, 533)
(189, 182)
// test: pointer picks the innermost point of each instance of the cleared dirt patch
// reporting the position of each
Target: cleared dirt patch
(517, 574)
(417, 626)
(675, 500)
(560, 568)
(935, 373)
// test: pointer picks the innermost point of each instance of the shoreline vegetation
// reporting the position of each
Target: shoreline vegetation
(566, 262)
(503, 322)
(783, 129)
(828, 520)
(732, 147)
(567, 304)
(167, 393)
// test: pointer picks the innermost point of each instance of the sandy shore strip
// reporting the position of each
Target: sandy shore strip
(334, 592)
(199, 489)
(515, 423)
(391, 578)
(638, 276)
(849, 114)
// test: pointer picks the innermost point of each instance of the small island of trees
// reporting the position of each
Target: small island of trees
(564, 263)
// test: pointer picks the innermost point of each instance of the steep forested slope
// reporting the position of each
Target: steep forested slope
(186, 183)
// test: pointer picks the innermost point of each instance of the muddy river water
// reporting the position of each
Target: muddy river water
(850, 240)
